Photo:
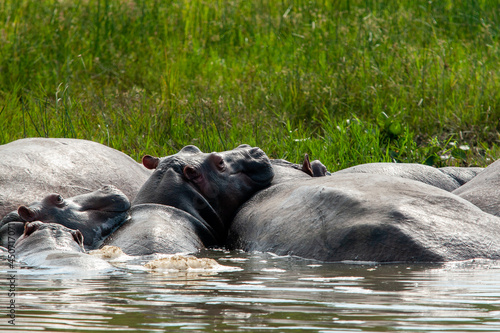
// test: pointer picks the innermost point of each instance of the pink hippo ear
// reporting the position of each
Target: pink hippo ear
(27, 214)
(150, 162)
(78, 237)
(30, 228)
(306, 166)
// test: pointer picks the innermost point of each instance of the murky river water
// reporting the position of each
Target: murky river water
(269, 293)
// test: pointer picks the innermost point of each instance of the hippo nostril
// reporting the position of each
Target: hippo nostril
(256, 152)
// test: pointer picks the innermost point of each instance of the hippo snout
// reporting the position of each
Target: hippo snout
(258, 167)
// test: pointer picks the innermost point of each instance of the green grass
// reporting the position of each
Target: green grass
(348, 82)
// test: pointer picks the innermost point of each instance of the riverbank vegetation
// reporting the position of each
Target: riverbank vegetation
(348, 82)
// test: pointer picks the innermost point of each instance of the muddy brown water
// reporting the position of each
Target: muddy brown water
(267, 294)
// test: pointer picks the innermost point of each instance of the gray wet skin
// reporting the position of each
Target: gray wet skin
(484, 189)
(201, 191)
(367, 217)
(50, 245)
(95, 214)
(449, 178)
(32, 168)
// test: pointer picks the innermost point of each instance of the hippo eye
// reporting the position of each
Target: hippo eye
(221, 165)
(56, 199)
(59, 199)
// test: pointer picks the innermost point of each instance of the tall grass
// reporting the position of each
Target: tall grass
(348, 82)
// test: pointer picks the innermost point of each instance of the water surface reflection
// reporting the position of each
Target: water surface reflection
(269, 293)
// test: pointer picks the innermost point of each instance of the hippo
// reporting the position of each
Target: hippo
(31, 168)
(195, 191)
(155, 228)
(484, 189)
(95, 214)
(288, 171)
(364, 217)
(51, 245)
(448, 178)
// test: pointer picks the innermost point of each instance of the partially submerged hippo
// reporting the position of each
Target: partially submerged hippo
(95, 214)
(32, 168)
(484, 189)
(208, 187)
(369, 217)
(50, 245)
(154, 228)
(448, 178)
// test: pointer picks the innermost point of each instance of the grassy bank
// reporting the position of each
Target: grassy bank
(349, 82)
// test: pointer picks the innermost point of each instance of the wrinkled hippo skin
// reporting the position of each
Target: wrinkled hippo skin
(448, 178)
(154, 228)
(95, 214)
(32, 168)
(365, 217)
(49, 245)
(190, 199)
(484, 189)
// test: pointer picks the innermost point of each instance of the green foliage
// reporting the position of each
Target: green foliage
(348, 82)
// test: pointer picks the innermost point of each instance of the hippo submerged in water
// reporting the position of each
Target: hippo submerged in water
(190, 199)
(50, 245)
(95, 214)
(32, 168)
(186, 204)
(369, 217)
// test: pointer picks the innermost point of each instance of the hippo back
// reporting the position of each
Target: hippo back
(365, 217)
(447, 179)
(32, 168)
(484, 189)
(154, 228)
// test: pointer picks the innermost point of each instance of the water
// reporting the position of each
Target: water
(268, 294)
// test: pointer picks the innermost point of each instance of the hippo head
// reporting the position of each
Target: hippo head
(314, 168)
(209, 186)
(96, 213)
(39, 236)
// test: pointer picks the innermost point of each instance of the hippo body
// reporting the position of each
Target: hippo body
(359, 216)
(95, 214)
(190, 199)
(154, 228)
(449, 178)
(32, 168)
(50, 245)
(484, 189)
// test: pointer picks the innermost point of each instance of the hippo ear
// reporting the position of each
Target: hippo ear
(190, 149)
(150, 162)
(30, 228)
(78, 237)
(27, 214)
(306, 166)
